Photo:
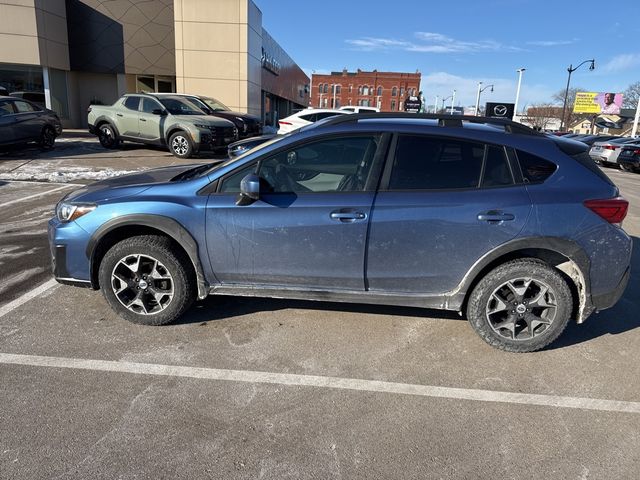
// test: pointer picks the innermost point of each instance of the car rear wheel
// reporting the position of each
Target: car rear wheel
(146, 281)
(47, 138)
(520, 306)
(107, 136)
(180, 145)
(626, 167)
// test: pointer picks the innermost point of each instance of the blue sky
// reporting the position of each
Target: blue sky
(456, 44)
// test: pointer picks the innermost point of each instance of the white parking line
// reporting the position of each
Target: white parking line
(27, 296)
(35, 195)
(323, 382)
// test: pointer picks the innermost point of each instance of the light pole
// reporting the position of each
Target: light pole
(435, 104)
(444, 99)
(515, 107)
(453, 99)
(480, 90)
(571, 69)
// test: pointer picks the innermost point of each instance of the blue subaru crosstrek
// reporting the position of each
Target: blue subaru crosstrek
(518, 230)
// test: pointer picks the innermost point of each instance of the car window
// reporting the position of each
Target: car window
(309, 117)
(6, 108)
(179, 106)
(23, 107)
(426, 163)
(332, 165)
(149, 105)
(231, 183)
(323, 115)
(132, 103)
(535, 169)
(496, 171)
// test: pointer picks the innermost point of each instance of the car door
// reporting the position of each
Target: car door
(309, 227)
(150, 124)
(28, 124)
(442, 205)
(128, 117)
(7, 120)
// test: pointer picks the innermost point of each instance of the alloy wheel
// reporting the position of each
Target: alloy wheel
(106, 136)
(48, 137)
(142, 284)
(180, 145)
(521, 309)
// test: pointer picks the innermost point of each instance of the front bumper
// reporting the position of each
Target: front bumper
(217, 138)
(69, 264)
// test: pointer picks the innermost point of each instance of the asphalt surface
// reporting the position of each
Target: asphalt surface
(361, 398)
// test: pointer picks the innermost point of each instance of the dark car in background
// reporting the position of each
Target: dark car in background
(629, 158)
(606, 152)
(247, 125)
(22, 121)
(243, 146)
(35, 97)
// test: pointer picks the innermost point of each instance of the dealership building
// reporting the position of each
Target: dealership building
(79, 52)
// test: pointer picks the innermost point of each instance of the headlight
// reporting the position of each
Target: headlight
(200, 125)
(68, 212)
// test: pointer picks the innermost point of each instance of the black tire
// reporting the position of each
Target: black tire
(47, 138)
(107, 136)
(626, 168)
(171, 261)
(181, 145)
(529, 334)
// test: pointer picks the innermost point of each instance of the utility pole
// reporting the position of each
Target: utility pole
(515, 107)
(635, 121)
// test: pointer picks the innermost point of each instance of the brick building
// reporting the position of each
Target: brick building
(385, 90)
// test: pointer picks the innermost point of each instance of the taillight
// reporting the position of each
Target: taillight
(609, 147)
(636, 152)
(284, 123)
(613, 210)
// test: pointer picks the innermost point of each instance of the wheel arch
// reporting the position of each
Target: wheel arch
(127, 226)
(563, 254)
(102, 120)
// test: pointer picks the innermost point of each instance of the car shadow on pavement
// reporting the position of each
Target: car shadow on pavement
(221, 307)
(623, 317)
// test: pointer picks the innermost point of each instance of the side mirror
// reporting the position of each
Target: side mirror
(249, 190)
(159, 111)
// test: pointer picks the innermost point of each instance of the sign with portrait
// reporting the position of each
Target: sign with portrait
(598, 103)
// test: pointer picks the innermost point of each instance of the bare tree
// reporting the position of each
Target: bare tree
(542, 116)
(631, 96)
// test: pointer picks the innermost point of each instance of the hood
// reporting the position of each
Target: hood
(126, 185)
(205, 119)
(232, 114)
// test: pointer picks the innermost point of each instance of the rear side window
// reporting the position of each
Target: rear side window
(425, 163)
(23, 107)
(6, 108)
(535, 169)
(132, 103)
(312, 117)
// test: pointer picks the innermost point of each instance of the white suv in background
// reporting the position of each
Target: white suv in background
(358, 109)
(306, 117)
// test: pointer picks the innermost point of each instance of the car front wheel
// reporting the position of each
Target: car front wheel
(146, 280)
(520, 306)
(180, 145)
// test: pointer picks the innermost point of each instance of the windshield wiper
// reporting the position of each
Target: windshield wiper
(193, 172)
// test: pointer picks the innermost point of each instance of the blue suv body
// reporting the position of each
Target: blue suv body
(519, 230)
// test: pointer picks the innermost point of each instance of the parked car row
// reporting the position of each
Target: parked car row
(23, 121)
(606, 151)
(186, 124)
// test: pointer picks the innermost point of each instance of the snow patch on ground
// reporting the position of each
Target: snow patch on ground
(44, 173)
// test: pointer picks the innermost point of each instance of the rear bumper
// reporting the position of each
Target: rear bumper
(609, 299)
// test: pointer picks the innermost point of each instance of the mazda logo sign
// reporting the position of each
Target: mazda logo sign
(500, 110)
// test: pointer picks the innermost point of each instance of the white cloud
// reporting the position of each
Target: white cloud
(429, 42)
(552, 43)
(622, 62)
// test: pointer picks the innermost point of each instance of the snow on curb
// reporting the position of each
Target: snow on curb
(68, 175)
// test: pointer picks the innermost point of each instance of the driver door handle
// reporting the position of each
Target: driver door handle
(494, 216)
(347, 216)
(143, 119)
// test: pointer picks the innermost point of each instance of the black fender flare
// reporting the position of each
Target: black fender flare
(104, 118)
(563, 246)
(168, 226)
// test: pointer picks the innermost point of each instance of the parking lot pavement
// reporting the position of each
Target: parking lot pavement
(274, 389)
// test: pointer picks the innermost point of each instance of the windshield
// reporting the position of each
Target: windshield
(214, 104)
(178, 106)
(253, 150)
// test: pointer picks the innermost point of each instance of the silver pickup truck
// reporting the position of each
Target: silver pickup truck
(166, 120)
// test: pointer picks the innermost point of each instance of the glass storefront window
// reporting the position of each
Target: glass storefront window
(59, 93)
(145, 84)
(21, 78)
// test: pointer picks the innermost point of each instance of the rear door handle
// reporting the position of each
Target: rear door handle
(143, 119)
(494, 216)
(119, 114)
(347, 216)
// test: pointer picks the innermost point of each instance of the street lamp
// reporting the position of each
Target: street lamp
(571, 69)
(435, 104)
(515, 107)
(480, 90)
(453, 99)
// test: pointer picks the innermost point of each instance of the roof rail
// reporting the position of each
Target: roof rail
(444, 120)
